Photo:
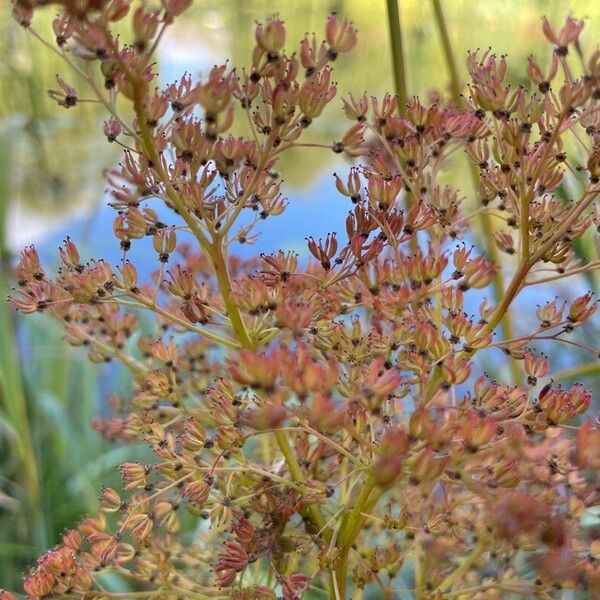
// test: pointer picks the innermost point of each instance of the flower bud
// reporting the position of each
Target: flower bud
(197, 492)
(506, 474)
(128, 279)
(505, 242)
(478, 273)
(294, 586)
(28, 268)
(173, 8)
(144, 25)
(582, 308)
(140, 525)
(388, 466)
(352, 188)
(295, 317)
(580, 398)
(535, 366)
(427, 466)
(266, 417)
(22, 12)
(270, 37)
(63, 27)
(312, 56)
(39, 584)
(379, 383)
(325, 416)
(455, 370)
(340, 34)
(164, 513)
(550, 314)
(534, 71)
(233, 556)
(323, 251)
(164, 242)
(130, 225)
(134, 476)
(116, 10)
(315, 93)
(567, 35)
(477, 431)
(66, 95)
(255, 370)
(229, 437)
(112, 129)
(193, 436)
(518, 512)
(71, 539)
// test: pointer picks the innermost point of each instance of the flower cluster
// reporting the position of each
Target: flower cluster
(326, 424)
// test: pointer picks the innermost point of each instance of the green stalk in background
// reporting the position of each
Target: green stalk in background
(485, 221)
(399, 69)
(585, 370)
(13, 400)
(398, 64)
(440, 21)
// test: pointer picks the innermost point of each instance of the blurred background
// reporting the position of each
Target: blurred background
(52, 463)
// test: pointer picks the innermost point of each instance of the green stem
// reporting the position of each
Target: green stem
(233, 312)
(13, 402)
(398, 64)
(440, 20)
(311, 513)
(213, 251)
(578, 371)
(498, 284)
(485, 221)
(144, 302)
(419, 559)
(350, 528)
(399, 69)
(466, 564)
(507, 298)
(13, 399)
(155, 159)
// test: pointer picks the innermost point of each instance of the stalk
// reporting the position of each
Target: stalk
(233, 312)
(518, 282)
(464, 567)
(419, 559)
(350, 528)
(13, 398)
(485, 221)
(311, 514)
(399, 70)
(14, 403)
(578, 371)
(440, 20)
(398, 63)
